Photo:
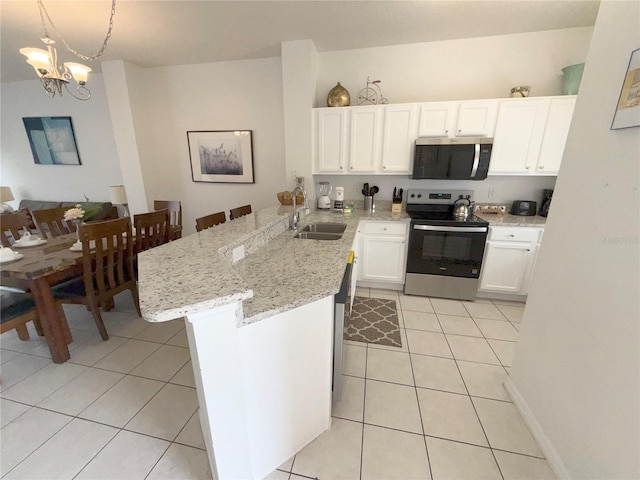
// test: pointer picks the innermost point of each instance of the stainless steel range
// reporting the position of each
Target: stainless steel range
(445, 252)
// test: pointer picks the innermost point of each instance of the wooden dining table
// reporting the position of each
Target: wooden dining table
(41, 268)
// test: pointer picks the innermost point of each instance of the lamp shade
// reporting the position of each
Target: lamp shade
(118, 194)
(6, 195)
(79, 71)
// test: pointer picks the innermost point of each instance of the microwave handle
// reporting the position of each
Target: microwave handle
(476, 160)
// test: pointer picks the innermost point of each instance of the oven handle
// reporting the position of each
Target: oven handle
(476, 161)
(434, 228)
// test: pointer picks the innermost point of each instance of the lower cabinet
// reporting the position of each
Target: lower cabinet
(383, 251)
(509, 258)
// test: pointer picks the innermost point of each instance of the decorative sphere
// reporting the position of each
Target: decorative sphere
(338, 97)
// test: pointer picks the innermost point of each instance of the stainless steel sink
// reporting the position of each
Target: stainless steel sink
(318, 236)
(326, 227)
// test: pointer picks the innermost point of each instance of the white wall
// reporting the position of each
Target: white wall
(484, 67)
(94, 138)
(577, 364)
(242, 95)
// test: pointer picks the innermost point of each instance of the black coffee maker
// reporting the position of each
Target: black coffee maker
(546, 202)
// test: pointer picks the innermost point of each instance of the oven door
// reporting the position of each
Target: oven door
(446, 250)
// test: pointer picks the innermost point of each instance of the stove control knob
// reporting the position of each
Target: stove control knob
(413, 195)
(419, 195)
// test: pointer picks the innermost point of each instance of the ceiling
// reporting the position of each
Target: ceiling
(161, 33)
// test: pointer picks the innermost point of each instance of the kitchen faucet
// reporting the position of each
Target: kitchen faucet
(295, 216)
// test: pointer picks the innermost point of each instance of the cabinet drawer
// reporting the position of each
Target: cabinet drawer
(515, 234)
(384, 228)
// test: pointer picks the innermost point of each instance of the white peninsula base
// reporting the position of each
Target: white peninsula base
(265, 388)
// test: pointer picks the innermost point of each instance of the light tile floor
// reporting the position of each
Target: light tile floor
(127, 408)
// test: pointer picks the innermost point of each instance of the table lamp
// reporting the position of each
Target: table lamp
(6, 196)
(119, 197)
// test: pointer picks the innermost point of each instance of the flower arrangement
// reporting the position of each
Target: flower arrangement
(75, 213)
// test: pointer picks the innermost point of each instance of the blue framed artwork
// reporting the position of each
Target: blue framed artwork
(52, 140)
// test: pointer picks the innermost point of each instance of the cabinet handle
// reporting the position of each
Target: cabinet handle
(527, 167)
(541, 167)
(460, 130)
(385, 229)
(446, 131)
(512, 236)
(340, 167)
(528, 249)
(384, 167)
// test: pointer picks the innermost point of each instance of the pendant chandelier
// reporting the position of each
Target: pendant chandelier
(45, 62)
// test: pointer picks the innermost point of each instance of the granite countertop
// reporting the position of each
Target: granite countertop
(196, 273)
(508, 220)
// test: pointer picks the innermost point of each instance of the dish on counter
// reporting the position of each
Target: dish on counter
(34, 243)
(17, 256)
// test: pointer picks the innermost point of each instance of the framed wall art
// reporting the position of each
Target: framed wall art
(52, 140)
(222, 156)
(628, 107)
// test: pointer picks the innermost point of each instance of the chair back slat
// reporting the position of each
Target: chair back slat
(51, 222)
(109, 269)
(209, 221)
(14, 223)
(239, 212)
(152, 229)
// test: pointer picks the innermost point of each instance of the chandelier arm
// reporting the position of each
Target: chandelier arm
(43, 13)
(83, 92)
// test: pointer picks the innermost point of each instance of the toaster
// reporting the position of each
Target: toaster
(524, 207)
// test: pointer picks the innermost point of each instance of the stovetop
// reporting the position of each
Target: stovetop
(435, 207)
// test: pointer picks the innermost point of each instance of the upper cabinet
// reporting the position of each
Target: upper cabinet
(330, 140)
(555, 135)
(364, 139)
(477, 118)
(399, 138)
(529, 134)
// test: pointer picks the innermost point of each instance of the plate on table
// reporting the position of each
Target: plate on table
(34, 243)
(17, 256)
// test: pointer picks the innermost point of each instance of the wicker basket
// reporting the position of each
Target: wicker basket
(286, 198)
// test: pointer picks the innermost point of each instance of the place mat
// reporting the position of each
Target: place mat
(373, 320)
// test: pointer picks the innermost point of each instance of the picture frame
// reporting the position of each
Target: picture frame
(52, 140)
(221, 156)
(627, 112)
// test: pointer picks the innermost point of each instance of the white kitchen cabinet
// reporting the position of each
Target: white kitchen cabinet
(555, 135)
(365, 130)
(508, 259)
(383, 251)
(518, 137)
(399, 137)
(437, 119)
(476, 118)
(330, 143)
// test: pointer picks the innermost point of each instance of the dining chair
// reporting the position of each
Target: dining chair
(106, 271)
(175, 216)
(51, 222)
(15, 224)
(239, 212)
(209, 221)
(18, 309)
(152, 229)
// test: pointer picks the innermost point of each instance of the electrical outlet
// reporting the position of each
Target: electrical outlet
(300, 181)
(491, 192)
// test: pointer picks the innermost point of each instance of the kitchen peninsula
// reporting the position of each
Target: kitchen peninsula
(260, 330)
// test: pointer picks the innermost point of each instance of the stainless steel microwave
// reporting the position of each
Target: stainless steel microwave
(461, 158)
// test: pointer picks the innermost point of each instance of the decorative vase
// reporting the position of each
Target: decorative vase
(571, 77)
(78, 243)
(338, 97)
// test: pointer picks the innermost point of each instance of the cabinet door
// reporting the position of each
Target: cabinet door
(506, 267)
(398, 141)
(477, 118)
(437, 119)
(365, 139)
(383, 258)
(331, 140)
(555, 135)
(518, 136)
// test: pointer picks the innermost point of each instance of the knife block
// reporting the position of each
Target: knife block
(396, 207)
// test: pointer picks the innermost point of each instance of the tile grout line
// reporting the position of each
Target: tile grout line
(471, 401)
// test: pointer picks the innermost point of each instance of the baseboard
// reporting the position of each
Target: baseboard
(553, 458)
(502, 296)
(398, 287)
